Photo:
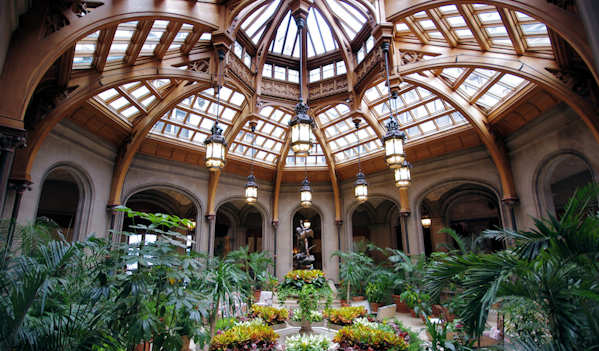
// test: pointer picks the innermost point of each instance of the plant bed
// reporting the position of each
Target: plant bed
(307, 343)
(270, 315)
(252, 335)
(361, 337)
(344, 315)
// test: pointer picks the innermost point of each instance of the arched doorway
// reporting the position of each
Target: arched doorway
(560, 178)
(161, 200)
(315, 243)
(237, 225)
(467, 208)
(65, 199)
(377, 221)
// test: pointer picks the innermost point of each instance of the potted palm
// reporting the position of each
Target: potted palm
(354, 268)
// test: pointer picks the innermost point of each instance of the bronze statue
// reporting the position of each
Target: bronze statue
(305, 259)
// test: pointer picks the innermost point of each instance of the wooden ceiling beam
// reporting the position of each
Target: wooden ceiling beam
(445, 30)
(137, 41)
(191, 39)
(417, 31)
(483, 90)
(65, 67)
(509, 22)
(167, 39)
(278, 179)
(103, 47)
(474, 26)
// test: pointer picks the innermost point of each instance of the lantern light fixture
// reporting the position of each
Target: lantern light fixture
(403, 178)
(393, 141)
(251, 187)
(301, 124)
(426, 222)
(306, 194)
(361, 186)
(216, 147)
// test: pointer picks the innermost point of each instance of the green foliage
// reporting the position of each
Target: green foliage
(245, 337)
(224, 324)
(354, 269)
(344, 315)
(552, 266)
(254, 264)
(270, 315)
(298, 281)
(362, 337)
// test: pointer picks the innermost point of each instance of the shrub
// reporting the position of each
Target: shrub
(245, 336)
(225, 323)
(345, 315)
(270, 315)
(362, 337)
(295, 280)
(307, 343)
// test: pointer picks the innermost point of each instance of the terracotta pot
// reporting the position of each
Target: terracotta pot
(374, 307)
(146, 346)
(400, 306)
(185, 343)
(344, 303)
(257, 295)
(358, 298)
(438, 311)
(413, 313)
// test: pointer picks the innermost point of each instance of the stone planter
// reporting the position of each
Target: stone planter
(306, 327)
(334, 326)
(320, 324)
(293, 323)
(357, 298)
(279, 326)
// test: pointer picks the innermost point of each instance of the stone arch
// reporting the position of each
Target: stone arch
(86, 193)
(197, 203)
(420, 198)
(544, 201)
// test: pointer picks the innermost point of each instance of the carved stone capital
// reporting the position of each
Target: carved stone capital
(11, 139)
(275, 224)
(210, 217)
(405, 212)
(338, 222)
(511, 202)
(19, 185)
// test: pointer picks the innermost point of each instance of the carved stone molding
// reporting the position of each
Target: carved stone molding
(271, 87)
(328, 87)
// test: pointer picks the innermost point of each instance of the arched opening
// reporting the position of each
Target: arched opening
(161, 200)
(562, 176)
(314, 242)
(60, 201)
(237, 225)
(377, 221)
(464, 207)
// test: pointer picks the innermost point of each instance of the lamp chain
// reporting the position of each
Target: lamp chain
(386, 54)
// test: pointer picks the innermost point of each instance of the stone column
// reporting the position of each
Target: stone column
(10, 140)
(511, 205)
(275, 227)
(19, 186)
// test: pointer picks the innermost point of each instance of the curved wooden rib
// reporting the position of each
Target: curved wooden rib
(565, 23)
(212, 185)
(331, 164)
(278, 179)
(478, 121)
(32, 55)
(89, 87)
(516, 67)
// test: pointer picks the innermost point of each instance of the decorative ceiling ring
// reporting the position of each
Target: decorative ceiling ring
(566, 24)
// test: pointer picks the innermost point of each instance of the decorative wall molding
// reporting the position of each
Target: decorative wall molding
(277, 88)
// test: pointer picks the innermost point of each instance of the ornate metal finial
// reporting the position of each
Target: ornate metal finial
(217, 135)
(300, 22)
(361, 179)
(393, 130)
(385, 46)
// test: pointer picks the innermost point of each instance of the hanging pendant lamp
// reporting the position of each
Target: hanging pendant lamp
(361, 186)
(251, 187)
(216, 147)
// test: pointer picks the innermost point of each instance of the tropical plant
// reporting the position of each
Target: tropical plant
(255, 264)
(552, 266)
(314, 316)
(463, 244)
(294, 282)
(354, 268)
(307, 343)
(344, 315)
(362, 337)
(245, 336)
(270, 315)
(409, 270)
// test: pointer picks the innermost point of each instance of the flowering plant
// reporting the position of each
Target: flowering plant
(314, 316)
(307, 343)
(362, 337)
(270, 315)
(344, 315)
(251, 335)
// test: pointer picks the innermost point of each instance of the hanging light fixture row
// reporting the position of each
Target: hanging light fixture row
(394, 139)
(216, 147)
(251, 187)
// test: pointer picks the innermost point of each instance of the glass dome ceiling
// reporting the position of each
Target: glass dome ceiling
(474, 28)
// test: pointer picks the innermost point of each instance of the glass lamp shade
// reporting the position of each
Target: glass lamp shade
(216, 149)
(403, 177)
(393, 141)
(251, 190)
(426, 222)
(301, 125)
(361, 188)
(306, 194)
